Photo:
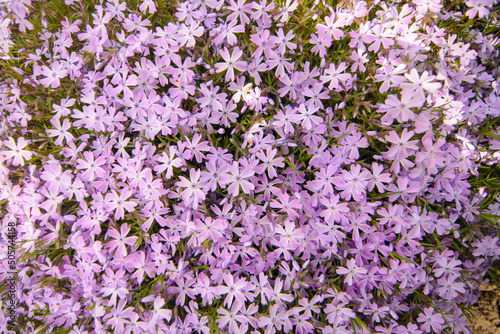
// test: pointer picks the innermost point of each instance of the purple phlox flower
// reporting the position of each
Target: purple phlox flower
(290, 236)
(425, 6)
(286, 204)
(284, 41)
(449, 288)
(159, 313)
(239, 10)
(419, 84)
(430, 319)
(193, 147)
(231, 62)
(405, 188)
(184, 288)
(338, 313)
(381, 35)
(233, 289)
(399, 109)
(60, 131)
(488, 246)
(265, 44)
(231, 318)
(316, 94)
(211, 97)
(168, 162)
(378, 178)
(120, 240)
(57, 179)
(286, 120)
(269, 162)
(332, 27)
(281, 63)
(193, 192)
(143, 264)
(390, 77)
(92, 166)
(352, 272)
(274, 321)
(135, 326)
(118, 203)
(335, 76)
(207, 291)
(288, 7)
(216, 175)
(16, 151)
(433, 157)
(149, 4)
(187, 33)
(401, 149)
(220, 155)
(353, 183)
(212, 229)
(325, 178)
(228, 32)
(239, 178)
(53, 74)
(119, 315)
(115, 285)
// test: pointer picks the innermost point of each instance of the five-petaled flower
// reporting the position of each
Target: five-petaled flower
(16, 151)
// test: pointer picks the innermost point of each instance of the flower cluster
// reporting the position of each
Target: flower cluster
(244, 166)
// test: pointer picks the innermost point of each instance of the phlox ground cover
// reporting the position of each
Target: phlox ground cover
(212, 166)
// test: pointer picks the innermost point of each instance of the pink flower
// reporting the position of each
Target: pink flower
(193, 192)
(286, 204)
(269, 162)
(168, 162)
(286, 120)
(431, 319)
(208, 292)
(233, 290)
(316, 94)
(53, 74)
(418, 84)
(399, 109)
(352, 273)
(479, 8)
(231, 318)
(120, 240)
(378, 178)
(353, 183)
(159, 313)
(290, 236)
(335, 76)
(274, 321)
(183, 288)
(239, 177)
(61, 131)
(321, 41)
(334, 211)
(401, 149)
(239, 10)
(16, 151)
(332, 27)
(92, 166)
(187, 34)
(118, 203)
(338, 314)
(150, 4)
(231, 63)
